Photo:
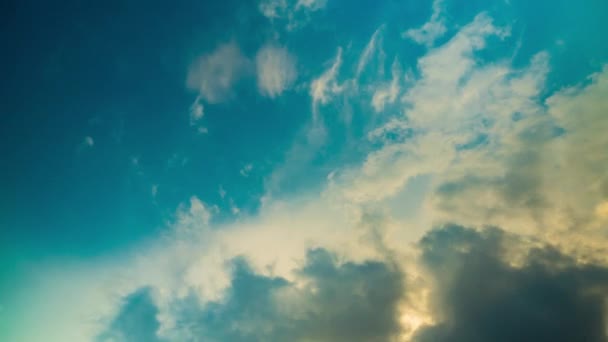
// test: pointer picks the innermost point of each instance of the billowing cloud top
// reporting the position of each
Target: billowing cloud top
(362, 177)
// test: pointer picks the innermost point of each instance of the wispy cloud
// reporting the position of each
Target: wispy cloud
(326, 85)
(197, 111)
(372, 46)
(88, 141)
(246, 170)
(432, 29)
(293, 14)
(388, 93)
(312, 5)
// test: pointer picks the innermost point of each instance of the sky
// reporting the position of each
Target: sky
(304, 170)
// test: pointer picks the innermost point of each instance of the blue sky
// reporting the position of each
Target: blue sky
(218, 170)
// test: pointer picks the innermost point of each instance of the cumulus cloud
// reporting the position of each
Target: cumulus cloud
(215, 74)
(276, 70)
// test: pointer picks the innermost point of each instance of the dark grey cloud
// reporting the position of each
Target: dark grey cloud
(339, 302)
(480, 296)
(136, 321)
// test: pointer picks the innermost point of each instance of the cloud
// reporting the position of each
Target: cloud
(136, 321)
(197, 111)
(387, 94)
(371, 47)
(327, 301)
(88, 141)
(273, 9)
(293, 14)
(481, 296)
(276, 70)
(326, 85)
(443, 107)
(431, 30)
(532, 178)
(246, 170)
(215, 74)
(313, 5)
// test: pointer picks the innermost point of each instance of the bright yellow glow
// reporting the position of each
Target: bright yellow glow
(411, 321)
(601, 210)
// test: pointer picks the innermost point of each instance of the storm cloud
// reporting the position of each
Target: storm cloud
(490, 287)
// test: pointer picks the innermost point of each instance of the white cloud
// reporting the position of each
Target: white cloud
(197, 111)
(215, 74)
(369, 50)
(312, 5)
(431, 30)
(276, 70)
(273, 9)
(440, 105)
(324, 87)
(387, 94)
(293, 13)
